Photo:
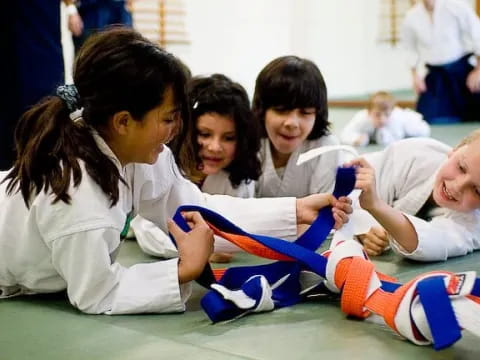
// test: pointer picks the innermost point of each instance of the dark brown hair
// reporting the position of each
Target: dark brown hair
(288, 83)
(218, 94)
(116, 70)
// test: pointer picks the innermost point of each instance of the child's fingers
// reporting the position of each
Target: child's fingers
(344, 205)
(345, 199)
(193, 218)
(359, 162)
(380, 232)
(338, 222)
(369, 244)
(371, 252)
(340, 218)
(365, 174)
(379, 241)
(363, 184)
(174, 229)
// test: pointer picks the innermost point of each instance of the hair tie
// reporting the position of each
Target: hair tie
(69, 94)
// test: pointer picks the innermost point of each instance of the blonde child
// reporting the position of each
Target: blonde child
(424, 195)
(290, 103)
(383, 123)
(79, 177)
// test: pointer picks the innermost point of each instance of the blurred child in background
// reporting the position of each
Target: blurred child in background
(383, 123)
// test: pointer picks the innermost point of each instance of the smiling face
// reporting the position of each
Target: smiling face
(217, 142)
(287, 129)
(457, 185)
(145, 139)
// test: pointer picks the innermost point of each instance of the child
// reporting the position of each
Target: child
(425, 196)
(383, 123)
(226, 141)
(78, 178)
(290, 102)
(225, 138)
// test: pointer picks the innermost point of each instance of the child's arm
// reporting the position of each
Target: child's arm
(394, 221)
(414, 125)
(356, 132)
(374, 241)
(194, 247)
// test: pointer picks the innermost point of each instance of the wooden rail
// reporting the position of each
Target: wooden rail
(162, 21)
(364, 103)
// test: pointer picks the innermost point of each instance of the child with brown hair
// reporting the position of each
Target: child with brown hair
(225, 137)
(290, 104)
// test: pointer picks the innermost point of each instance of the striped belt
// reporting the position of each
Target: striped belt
(432, 308)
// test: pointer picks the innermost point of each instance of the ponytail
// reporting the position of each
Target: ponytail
(49, 145)
(115, 70)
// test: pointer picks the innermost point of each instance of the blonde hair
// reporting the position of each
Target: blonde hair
(382, 101)
(474, 135)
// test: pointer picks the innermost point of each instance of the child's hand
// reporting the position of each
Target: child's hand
(361, 140)
(309, 206)
(374, 241)
(194, 247)
(341, 208)
(419, 84)
(365, 182)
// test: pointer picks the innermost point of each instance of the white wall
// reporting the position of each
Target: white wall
(239, 37)
(236, 37)
(341, 37)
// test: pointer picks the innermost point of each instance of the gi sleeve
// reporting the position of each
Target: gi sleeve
(267, 216)
(96, 284)
(152, 240)
(414, 125)
(357, 127)
(439, 239)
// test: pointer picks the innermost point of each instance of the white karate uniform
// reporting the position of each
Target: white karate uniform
(150, 238)
(220, 184)
(315, 176)
(401, 123)
(405, 173)
(50, 247)
(454, 32)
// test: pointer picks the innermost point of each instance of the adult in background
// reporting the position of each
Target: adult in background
(443, 35)
(98, 14)
(32, 60)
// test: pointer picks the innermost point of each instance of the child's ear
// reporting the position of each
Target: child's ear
(121, 122)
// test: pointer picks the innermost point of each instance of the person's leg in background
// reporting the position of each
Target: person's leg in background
(8, 90)
(32, 63)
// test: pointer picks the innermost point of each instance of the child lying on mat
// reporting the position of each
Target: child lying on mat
(383, 123)
(425, 197)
